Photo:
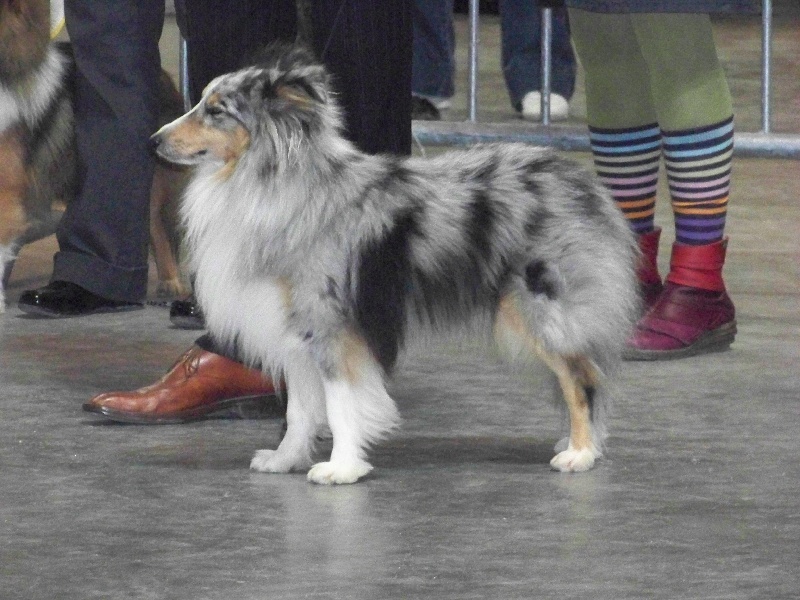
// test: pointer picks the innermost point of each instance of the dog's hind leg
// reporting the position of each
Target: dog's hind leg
(13, 222)
(577, 378)
(360, 412)
(305, 416)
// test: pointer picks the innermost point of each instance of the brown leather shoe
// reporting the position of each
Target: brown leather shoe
(200, 385)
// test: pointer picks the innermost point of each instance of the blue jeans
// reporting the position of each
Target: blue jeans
(433, 67)
(433, 64)
(521, 23)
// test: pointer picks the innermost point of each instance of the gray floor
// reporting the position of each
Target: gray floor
(697, 498)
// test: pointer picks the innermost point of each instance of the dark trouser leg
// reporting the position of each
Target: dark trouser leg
(103, 237)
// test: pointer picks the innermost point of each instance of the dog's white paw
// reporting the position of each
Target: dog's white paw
(329, 473)
(574, 461)
(271, 461)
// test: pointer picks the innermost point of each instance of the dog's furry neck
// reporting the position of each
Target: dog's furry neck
(305, 192)
(26, 100)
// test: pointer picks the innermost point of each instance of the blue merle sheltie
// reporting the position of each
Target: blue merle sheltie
(320, 262)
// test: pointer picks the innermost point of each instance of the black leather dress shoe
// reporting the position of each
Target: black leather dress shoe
(186, 314)
(60, 299)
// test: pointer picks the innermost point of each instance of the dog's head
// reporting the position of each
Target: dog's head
(276, 107)
(24, 37)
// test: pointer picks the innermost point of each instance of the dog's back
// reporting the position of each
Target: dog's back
(439, 241)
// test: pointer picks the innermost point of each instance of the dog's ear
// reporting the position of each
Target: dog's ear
(297, 91)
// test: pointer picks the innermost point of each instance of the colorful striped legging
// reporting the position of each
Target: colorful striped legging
(654, 86)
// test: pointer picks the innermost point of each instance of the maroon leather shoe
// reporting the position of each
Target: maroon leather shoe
(694, 314)
(200, 385)
(685, 321)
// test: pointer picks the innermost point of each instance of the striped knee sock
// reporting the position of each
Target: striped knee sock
(698, 165)
(627, 162)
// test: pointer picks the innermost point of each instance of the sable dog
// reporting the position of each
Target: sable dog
(37, 143)
(319, 261)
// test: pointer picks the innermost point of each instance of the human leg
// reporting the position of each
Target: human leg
(103, 236)
(368, 70)
(433, 64)
(694, 314)
(366, 45)
(623, 129)
(220, 37)
(521, 52)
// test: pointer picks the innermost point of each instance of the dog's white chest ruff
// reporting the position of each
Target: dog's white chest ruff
(28, 102)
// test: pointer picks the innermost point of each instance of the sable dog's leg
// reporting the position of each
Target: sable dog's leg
(13, 181)
(305, 416)
(169, 282)
(360, 412)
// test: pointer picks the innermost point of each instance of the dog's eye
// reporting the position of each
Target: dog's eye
(214, 110)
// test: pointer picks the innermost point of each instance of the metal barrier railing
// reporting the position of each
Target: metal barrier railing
(763, 143)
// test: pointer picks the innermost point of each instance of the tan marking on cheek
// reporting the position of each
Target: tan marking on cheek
(188, 137)
(232, 146)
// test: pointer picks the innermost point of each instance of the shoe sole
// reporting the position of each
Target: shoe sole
(717, 340)
(187, 322)
(38, 311)
(243, 407)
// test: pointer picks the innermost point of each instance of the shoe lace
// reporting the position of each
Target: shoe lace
(190, 360)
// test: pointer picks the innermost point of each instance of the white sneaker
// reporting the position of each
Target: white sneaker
(532, 107)
(440, 102)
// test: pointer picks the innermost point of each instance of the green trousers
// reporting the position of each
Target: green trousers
(649, 68)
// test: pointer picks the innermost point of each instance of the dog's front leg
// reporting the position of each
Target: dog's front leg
(305, 416)
(360, 412)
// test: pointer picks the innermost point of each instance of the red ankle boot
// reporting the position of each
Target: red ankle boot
(650, 285)
(694, 314)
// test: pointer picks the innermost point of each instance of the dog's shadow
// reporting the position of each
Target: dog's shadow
(405, 453)
(420, 452)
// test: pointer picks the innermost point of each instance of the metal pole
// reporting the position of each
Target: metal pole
(547, 62)
(766, 66)
(183, 74)
(472, 98)
(575, 138)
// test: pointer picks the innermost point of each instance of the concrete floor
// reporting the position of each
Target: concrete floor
(697, 498)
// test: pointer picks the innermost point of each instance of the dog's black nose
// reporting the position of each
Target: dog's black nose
(155, 142)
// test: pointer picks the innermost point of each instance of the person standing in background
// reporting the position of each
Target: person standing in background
(434, 67)
(103, 237)
(654, 86)
(366, 46)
